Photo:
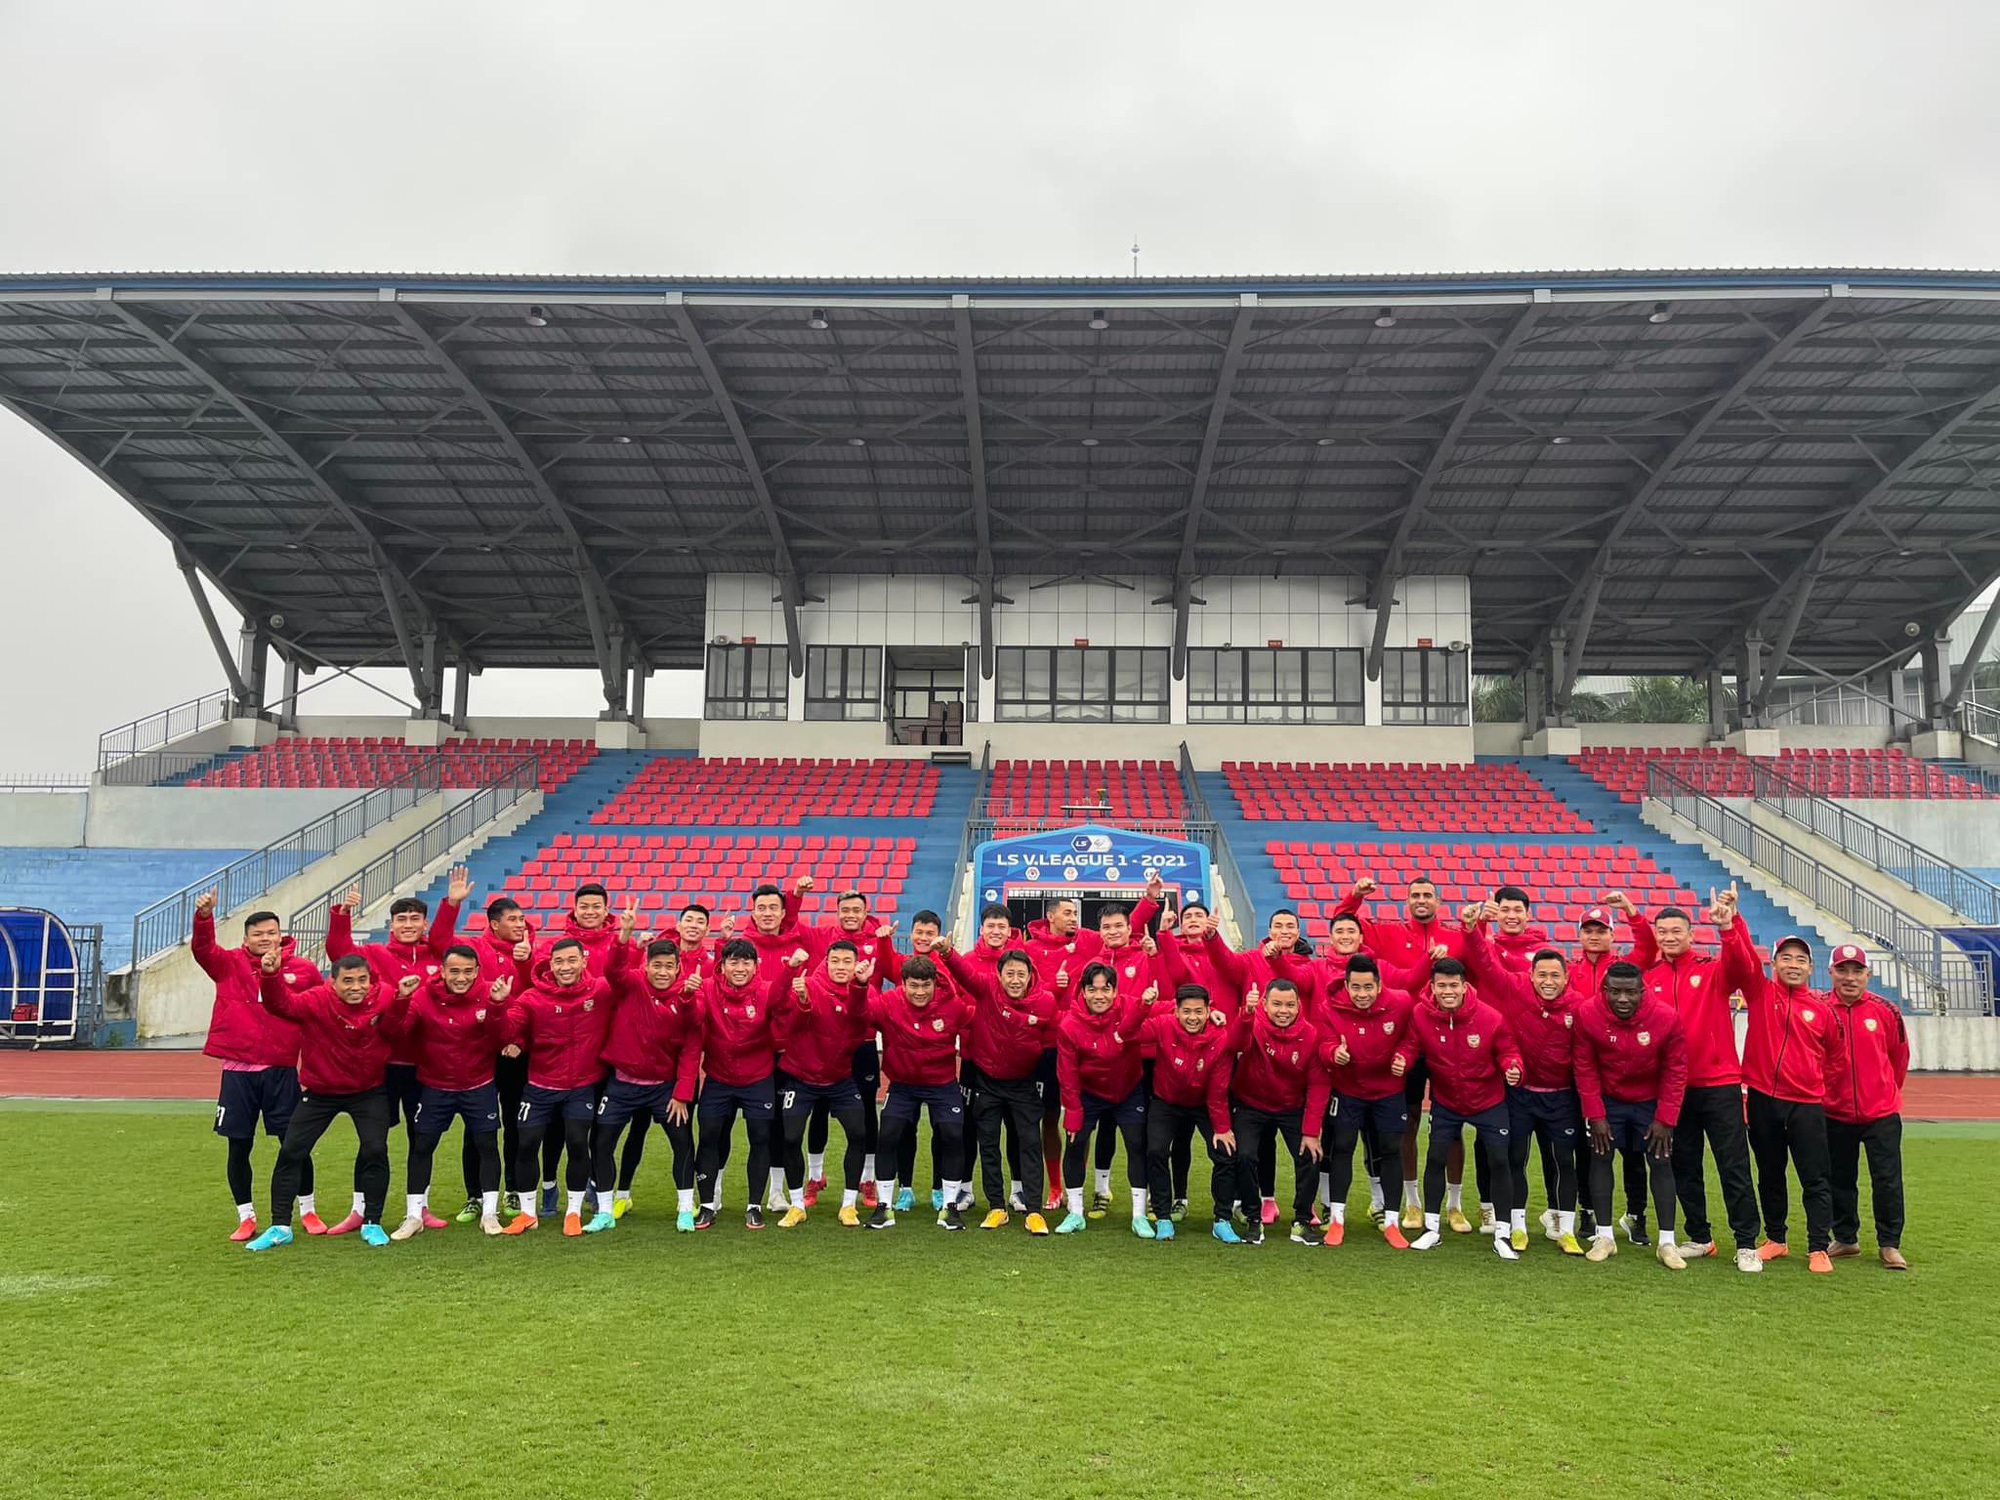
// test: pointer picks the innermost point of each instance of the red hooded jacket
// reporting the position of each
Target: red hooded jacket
(454, 1038)
(1271, 1062)
(1868, 1062)
(1184, 1063)
(1008, 1036)
(1068, 957)
(239, 1029)
(1631, 1061)
(1405, 942)
(343, 1049)
(1372, 1037)
(563, 1028)
(1468, 1051)
(1215, 966)
(920, 1044)
(822, 1028)
(1097, 1055)
(390, 960)
(655, 1035)
(889, 969)
(496, 956)
(597, 942)
(1517, 951)
(1541, 1027)
(738, 1028)
(1790, 1030)
(1698, 989)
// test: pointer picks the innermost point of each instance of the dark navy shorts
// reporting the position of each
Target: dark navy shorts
(1415, 1077)
(907, 1101)
(1047, 1087)
(1384, 1119)
(1129, 1111)
(1555, 1108)
(868, 1068)
(269, 1093)
(1629, 1121)
(399, 1082)
(797, 1097)
(751, 1098)
(622, 1100)
(540, 1105)
(435, 1109)
(1450, 1122)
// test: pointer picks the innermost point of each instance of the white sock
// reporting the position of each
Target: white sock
(1412, 1190)
(1666, 1237)
(1603, 1232)
(306, 1204)
(1485, 1210)
(245, 1212)
(1326, 1187)
(1520, 1218)
(1138, 1203)
(1375, 1198)
(1566, 1221)
(847, 1197)
(427, 1197)
(868, 1167)
(489, 1203)
(1431, 1222)
(1454, 1195)
(684, 1200)
(888, 1194)
(415, 1205)
(621, 1197)
(575, 1203)
(360, 1203)
(1103, 1182)
(1339, 1212)
(1014, 1188)
(798, 1197)
(951, 1190)
(1075, 1197)
(815, 1165)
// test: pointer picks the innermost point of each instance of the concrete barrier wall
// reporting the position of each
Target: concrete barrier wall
(175, 995)
(42, 820)
(175, 817)
(1954, 1044)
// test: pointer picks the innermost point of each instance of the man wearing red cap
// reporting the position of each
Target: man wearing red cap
(1865, 1070)
(1784, 1073)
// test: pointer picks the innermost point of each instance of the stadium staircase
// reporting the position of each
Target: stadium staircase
(496, 866)
(105, 886)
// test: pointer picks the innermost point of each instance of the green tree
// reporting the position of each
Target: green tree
(1498, 700)
(1664, 700)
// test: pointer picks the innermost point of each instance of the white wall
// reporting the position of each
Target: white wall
(1645, 736)
(176, 817)
(1499, 739)
(42, 820)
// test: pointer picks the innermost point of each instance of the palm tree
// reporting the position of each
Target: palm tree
(1499, 700)
(1664, 700)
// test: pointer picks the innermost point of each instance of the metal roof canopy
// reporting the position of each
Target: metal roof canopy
(1636, 468)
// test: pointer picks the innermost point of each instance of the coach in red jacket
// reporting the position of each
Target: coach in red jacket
(1631, 1080)
(259, 1050)
(1473, 1061)
(1355, 1095)
(1865, 1069)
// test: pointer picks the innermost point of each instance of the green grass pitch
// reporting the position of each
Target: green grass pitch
(142, 1354)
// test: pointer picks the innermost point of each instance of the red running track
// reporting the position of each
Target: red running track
(56, 1074)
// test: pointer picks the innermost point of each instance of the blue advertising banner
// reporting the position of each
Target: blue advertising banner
(1064, 861)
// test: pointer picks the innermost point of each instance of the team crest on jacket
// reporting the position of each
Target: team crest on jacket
(588, 1004)
(1694, 981)
(1645, 1039)
(1131, 971)
(1387, 1027)
(938, 1024)
(750, 1012)
(1806, 1015)
(1569, 1018)
(1473, 1040)
(1869, 1022)
(291, 977)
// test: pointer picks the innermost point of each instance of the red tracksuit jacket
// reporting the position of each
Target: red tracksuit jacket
(1325, 975)
(1698, 990)
(822, 1030)
(563, 1029)
(738, 1036)
(598, 942)
(1270, 1067)
(496, 958)
(1631, 1061)
(1184, 1063)
(1587, 973)
(239, 1029)
(1868, 1062)
(1137, 971)
(1468, 1051)
(1405, 942)
(1372, 1037)
(1542, 1028)
(454, 1038)
(1517, 950)
(1790, 1030)
(391, 961)
(889, 969)
(655, 1035)
(920, 1043)
(343, 1049)
(1070, 956)
(1212, 964)
(1097, 1055)
(1008, 1036)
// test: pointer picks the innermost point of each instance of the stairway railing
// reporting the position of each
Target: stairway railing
(1925, 965)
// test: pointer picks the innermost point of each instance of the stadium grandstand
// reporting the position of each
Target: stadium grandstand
(1217, 561)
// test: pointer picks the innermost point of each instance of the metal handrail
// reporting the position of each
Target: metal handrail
(164, 924)
(1249, 929)
(162, 727)
(984, 773)
(1972, 896)
(45, 781)
(435, 839)
(1924, 964)
(154, 767)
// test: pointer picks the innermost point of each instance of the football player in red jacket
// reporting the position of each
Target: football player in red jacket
(1864, 1108)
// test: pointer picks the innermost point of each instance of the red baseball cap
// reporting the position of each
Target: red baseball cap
(1597, 914)
(1791, 938)
(1848, 953)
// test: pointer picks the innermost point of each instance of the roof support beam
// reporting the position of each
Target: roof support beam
(598, 607)
(1590, 583)
(1211, 440)
(312, 470)
(790, 589)
(239, 690)
(1382, 596)
(1961, 679)
(1799, 584)
(975, 451)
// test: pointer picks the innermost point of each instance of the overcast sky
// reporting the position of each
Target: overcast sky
(921, 139)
